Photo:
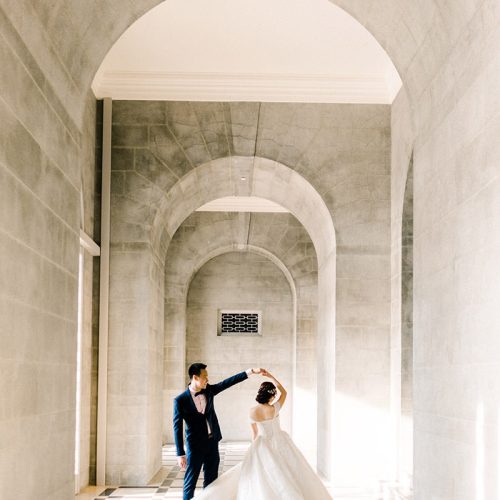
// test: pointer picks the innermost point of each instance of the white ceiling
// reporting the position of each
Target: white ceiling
(251, 50)
(241, 204)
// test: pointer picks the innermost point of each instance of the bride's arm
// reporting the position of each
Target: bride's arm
(282, 390)
(254, 431)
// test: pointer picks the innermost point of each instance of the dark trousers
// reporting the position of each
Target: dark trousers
(208, 457)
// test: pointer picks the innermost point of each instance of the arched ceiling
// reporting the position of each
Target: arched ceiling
(82, 33)
(263, 50)
(203, 234)
(270, 180)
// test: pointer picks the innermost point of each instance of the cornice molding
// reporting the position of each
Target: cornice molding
(133, 85)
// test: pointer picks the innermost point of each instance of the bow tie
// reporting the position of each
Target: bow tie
(198, 393)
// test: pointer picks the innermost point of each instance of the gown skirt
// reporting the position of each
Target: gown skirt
(273, 469)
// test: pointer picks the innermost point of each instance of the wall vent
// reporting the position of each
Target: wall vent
(236, 323)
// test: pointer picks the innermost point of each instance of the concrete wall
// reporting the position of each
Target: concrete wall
(89, 221)
(246, 281)
(135, 366)
(456, 273)
(46, 152)
(402, 147)
(450, 124)
(95, 296)
(406, 432)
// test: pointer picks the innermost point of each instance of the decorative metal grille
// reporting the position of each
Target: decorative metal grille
(239, 323)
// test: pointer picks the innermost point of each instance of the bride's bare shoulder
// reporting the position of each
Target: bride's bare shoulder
(261, 412)
(254, 412)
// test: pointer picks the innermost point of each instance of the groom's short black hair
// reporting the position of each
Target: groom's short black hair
(195, 369)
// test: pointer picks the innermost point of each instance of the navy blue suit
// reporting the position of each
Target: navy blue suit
(202, 449)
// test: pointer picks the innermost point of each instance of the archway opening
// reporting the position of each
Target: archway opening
(279, 238)
(239, 283)
(272, 181)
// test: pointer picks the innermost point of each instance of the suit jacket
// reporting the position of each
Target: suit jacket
(196, 423)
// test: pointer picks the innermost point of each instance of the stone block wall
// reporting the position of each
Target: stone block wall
(450, 125)
(135, 368)
(47, 140)
(406, 431)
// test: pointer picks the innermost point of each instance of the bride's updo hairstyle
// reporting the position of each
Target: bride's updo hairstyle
(267, 391)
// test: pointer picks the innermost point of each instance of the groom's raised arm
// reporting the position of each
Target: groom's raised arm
(178, 429)
(235, 379)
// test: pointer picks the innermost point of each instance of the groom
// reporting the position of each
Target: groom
(195, 406)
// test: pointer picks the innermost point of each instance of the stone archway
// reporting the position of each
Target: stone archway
(266, 179)
(278, 183)
(207, 182)
(337, 161)
(250, 278)
(410, 23)
(203, 236)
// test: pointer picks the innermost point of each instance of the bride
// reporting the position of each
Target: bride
(273, 467)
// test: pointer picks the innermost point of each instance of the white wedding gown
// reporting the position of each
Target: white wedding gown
(273, 469)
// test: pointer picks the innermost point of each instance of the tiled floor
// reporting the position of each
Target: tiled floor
(167, 484)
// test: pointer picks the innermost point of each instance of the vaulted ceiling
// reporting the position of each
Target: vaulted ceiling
(279, 50)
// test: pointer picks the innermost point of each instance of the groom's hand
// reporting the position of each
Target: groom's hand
(182, 462)
(255, 371)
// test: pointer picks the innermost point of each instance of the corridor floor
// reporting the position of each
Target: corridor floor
(167, 484)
